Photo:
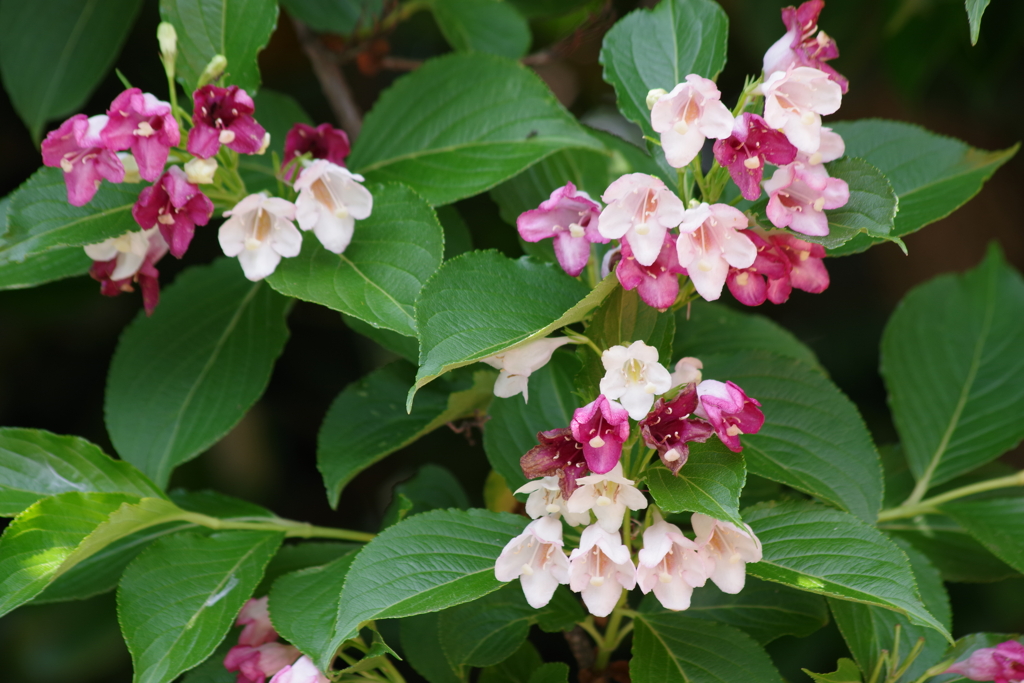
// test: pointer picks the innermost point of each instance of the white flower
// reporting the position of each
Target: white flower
(669, 565)
(599, 569)
(546, 499)
(725, 549)
(608, 495)
(129, 249)
(634, 377)
(794, 102)
(640, 210)
(687, 370)
(330, 201)
(535, 557)
(518, 364)
(259, 232)
(830, 148)
(200, 171)
(302, 671)
(687, 116)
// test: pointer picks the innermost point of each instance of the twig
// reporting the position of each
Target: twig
(332, 81)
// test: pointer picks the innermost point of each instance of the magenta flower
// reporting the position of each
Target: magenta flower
(799, 194)
(658, 283)
(223, 116)
(804, 44)
(323, 142)
(144, 124)
(729, 410)
(745, 152)
(570, 217)
(560, 455)
(807, 271)
(1003, 663)
(120, 261)
(671, 425)
(640, 210)
(78, 149)
(174, 205)
(602, 426)
(766, 278)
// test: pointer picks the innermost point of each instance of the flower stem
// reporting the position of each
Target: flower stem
(291, 528)
(611, 636)
(930, 505)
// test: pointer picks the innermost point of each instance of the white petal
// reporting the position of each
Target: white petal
(258, 263)
(285, 238)
(538, 588)
(232, 236)
(333, 232)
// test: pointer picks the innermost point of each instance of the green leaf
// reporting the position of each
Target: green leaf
(277, 113)
(658, 48)
(433, 488)
(335, 16)
(304, 604)
(53, 54)
(236, 29)
(833, 553)
(457, 237)
(368, 421)
(212, 670)
(423, 564)
(421, 644)
(997, 523)
(461, 124)
(950, 359)
(672, 646)
(377, 278)
(512, 429)
(813, 438)
(931, 174)
(39, 269)
(35, 464)
(491, 26)
(846, 672)
(40, 219)
(713, 328)
(869, 631)
(552, 672)
(398, 344)
(184, 377)
(516, 669)
(291, 558)
(483, 303)
(177, 600)
(956, 554)
(710, 482)
(216, 504)
(975, 8)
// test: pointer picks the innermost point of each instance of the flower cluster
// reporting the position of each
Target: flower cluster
(259, 654)
(1003, 663)
(690, 409)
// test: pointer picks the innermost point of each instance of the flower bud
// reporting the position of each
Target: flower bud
(654, 95)
(200, 171)
(131, 167)
(168, 39)
(214, 70)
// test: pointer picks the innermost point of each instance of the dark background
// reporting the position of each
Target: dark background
(906, 59)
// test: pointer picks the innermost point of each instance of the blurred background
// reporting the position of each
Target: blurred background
(906, 59)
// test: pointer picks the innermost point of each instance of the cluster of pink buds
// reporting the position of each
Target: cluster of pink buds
(259, 654)
(579, 472)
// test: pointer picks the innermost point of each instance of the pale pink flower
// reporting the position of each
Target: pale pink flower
(599, 569)
(804, 44)
(794, 102)
(725, 549)
(832, 147)
(255, 617)
(535, 557)
(144, 124)
(259, 232)
(330, 201)
(602, 426)
(688, 370)
(1003, 663)
(640, 209)
(570, 217)
(634, 377)
(798, 195)
(669, 565)
(518, 364)
(545, 498)
(729, 410)
(78, 149)
(687, 116)
(709, 242)
(254, 664)
(608, 495)
(302, 671)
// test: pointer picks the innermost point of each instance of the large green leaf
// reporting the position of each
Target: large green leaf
(432, 488)
(482, 303)
(424, 564)
(998, 523)
(35, 464)
(975, 8)
(177, 600)
(516, 669)
(931, 174)
(38, 269)
(462, 124)
(293, 557)
(492, 26)
(39, 217)
(813, 438)
(953, 551)
(380, 274)
(951, 362)
(551, 672)
(710, 482)
(182, 378)
(673, 646)
(335, 16)
(368, 421)
(421, 645)
(236, 29)
(52, 54)
(658, 48)
(833, 553)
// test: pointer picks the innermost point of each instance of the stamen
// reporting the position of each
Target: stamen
(671, 455)
(752, 162)
(226, 137)
(596, 442)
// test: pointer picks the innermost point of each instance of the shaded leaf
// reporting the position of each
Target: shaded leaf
(998, 523)
(335, 16)
(846, 672)
(710, 482)
(421, 643)
(975, 8)
(491, 26)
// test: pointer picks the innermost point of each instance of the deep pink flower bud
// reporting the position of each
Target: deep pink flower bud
(78, 149)
(729, 410)
(144, 124)
(804, 44)
(256, 620)
(1003, 663)
(174, 205)
(745, 152)
(323, 142)
(602, 426)
(658, 283)
(571, 218)
(558, 454)
(799, 195)
(749, 285)
(223, 116)
(671, 425)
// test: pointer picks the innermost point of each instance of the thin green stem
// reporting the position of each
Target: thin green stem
(611, 634)
(578, 338)
(626, 630)
(930, 505)
(882, 659)
(698, 175)
(588, 626)
(911, 658)
(291, 528)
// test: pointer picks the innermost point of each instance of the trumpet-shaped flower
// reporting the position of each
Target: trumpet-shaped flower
(302, 671)
(546, 499)
(794, 102)
(602, 426)
(1003, 663)
(535, 557)
(120, 261)
(658, 283)
(599, 569)
(831, 148)
(687, 116)
(518, 364)
(78, 149)
(330, 201)
(254, 664)
(807, 270)
(571, 218)
(323, 142)
(259, 232)
(725, 549)
(729, 410)
(144, 124)
(799, 194)
(766, 278)
(745, 152)
(608, 495)
(670, 565)
(223, 116)
(634, 377)
(671, 426)
(558, 454)
(803, 44)
(709, 242)
(640, 210)
(174, 205)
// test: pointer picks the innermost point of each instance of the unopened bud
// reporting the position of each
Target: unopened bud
(131, 167)
(168, 39)
(200, 171)
(214, 70)
(654, 95)
(265, 144)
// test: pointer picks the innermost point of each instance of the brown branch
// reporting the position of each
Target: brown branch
(332, 81)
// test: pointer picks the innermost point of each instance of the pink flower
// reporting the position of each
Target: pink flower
(687, 116)
(807, 271)
(254, 664)
(640, 209)
(302, 671)
(658, 283)
(799, 195)
(608, 495)
(669, 565)
(535, 557)
(120, 261)
(710, 242)
(223, 116)
(745, 152)
(144, 124)
(1003, 663)
(260, 232)
(174, 205)
(599, 569)
(571, 218)
(831, 148)
(766, 278)
(671, 425)
(795, 100)
(729, 410)
(800, 46)
(256, 620)
(602, 426)
(323, 142)
(560, 455)
(725, 549)
(518, 364)
(78, 149)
